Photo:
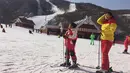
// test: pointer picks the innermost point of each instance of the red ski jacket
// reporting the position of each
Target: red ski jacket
(71, 38)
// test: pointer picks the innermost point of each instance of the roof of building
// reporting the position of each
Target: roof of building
(26, 21)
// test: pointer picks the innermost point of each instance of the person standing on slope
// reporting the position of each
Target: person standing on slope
(126, 43)
(92, 37)
(70, 40)
(61, 30)
(108, 27)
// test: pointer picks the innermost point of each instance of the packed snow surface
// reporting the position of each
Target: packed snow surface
(21, 52)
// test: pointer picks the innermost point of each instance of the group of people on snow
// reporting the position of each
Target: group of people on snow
(108, 28)
(3, 29)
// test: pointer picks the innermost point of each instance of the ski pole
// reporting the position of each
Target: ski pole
(63, 50)
(98, 67)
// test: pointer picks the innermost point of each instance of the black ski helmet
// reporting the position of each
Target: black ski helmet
(73, 25)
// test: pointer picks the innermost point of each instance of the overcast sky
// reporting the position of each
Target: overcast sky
(111, 4)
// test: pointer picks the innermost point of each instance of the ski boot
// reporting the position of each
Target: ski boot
(125, 52)
(66, 64)
(102, 71)
(74, 65)
(110, 70)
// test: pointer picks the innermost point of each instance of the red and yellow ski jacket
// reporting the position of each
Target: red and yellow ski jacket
(108, 28)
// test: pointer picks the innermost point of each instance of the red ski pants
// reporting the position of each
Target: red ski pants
(126, 43)
(71, 53)
(105, 48)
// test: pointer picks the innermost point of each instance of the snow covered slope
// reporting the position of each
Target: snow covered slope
(43, 20)
(126, 15)
(72, 7)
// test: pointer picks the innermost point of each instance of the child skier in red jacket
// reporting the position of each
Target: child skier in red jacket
(126, 43)
(70, 41)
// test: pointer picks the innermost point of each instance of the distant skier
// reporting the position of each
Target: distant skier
(92, 37)
(37, 30)
(6, 25)
(10, 25)
(70, 41)
(30, 32)
(61, 30)
(33, 29)
(1, 26)
(48, 31)
(126, 43)
(108, 27)
(3, 30)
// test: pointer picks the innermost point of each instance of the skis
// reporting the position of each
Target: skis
(108, 72)
(55, 65)
(68, 68)
(78, 67)
(125, 53)
(64, 68)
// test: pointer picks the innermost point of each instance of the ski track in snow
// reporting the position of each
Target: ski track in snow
(21, 52)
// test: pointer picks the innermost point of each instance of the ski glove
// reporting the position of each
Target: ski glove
(64, 36)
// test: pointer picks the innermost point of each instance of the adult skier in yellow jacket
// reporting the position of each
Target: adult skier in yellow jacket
(108, 27)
